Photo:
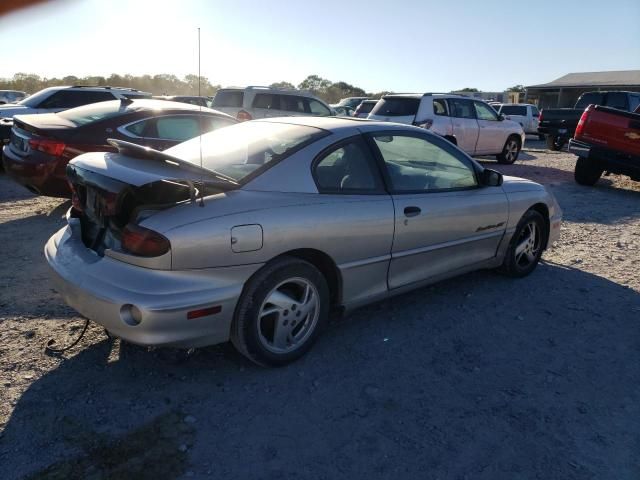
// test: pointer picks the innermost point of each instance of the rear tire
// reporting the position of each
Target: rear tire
(587, 172)
(510, 151)
(555, 143)
(526, 245)
(282, 310)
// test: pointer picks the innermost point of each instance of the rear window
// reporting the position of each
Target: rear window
(396, 107)
(587, 99)
(617, 100)
(94, 112)
(246, 148)
(514, 110)
(228, 98)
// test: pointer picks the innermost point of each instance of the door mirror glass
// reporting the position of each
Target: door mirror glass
(501, 117)
(491, 178)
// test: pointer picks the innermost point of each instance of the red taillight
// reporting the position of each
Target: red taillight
(143, 241)
(540, 116)
(583, 120)
(243, 116)
(51, 147)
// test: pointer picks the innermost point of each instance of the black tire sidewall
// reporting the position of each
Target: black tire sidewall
(245, 330)
(587, 172)
(510, 265)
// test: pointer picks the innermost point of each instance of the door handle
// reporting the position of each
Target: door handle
(411, 211)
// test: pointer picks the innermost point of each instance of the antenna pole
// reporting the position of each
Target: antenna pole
(200, 137)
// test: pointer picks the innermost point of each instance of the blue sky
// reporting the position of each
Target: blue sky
(405, 45)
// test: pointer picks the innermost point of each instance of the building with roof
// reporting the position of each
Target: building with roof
(564, 91)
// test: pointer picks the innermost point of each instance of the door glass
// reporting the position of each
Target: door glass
(138, 128)
(267, 100)
(347, 169)
(291, 103)
(179, 128)
(462, 108)
(485, 112)
(440, 107)
(415, 164)
(318, 109)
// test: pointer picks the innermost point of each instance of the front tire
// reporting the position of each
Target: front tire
(526, 245)
(510, 151)
(282, 310)
(587, 172)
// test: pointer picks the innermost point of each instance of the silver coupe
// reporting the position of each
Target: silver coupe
(255, 232)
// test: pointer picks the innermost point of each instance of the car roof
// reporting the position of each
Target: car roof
(153, 104)
(280, 91)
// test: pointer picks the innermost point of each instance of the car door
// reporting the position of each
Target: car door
(491, 134)
(358, 216)
(464, 123)
(444, 221)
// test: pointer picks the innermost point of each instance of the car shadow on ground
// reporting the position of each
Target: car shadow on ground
(481, 377)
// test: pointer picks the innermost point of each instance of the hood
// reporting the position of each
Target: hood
(11, 110)
(517, 184)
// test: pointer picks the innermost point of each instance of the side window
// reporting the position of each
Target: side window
(440, 107)
(418, 165)
(485, 112)
(266, 100)
(347, 169)
(138, 129)
(617, 100)
(180, 128)
(75, 98)
(211, 123)
(534, 111)
(316, 108)
(634, 101)
(462, 108)
(291, 103)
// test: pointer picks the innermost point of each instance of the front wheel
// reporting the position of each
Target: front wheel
(587, 172)
(282, 310)
(526, 245)
(510, 151)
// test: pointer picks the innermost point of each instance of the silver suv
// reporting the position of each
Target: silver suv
(473, 125)
(56, 99)
(264, 102)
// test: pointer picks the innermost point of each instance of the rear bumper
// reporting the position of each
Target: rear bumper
(104, 289)
(610, 160)
(42, 175)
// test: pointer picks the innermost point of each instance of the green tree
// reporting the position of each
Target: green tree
(467, 89)
(284, 85)
(516, 88)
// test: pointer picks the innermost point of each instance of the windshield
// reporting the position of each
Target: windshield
(94, 112)
(241, 149)
(397, 107)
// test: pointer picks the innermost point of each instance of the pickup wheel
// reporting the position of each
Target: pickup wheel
(510, 151)
(587, 171)
(555, 143)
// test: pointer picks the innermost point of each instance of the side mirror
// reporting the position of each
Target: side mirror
(490, 178)
(501, 117)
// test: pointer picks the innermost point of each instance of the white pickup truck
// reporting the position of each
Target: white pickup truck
(471, 124)
(525, 114)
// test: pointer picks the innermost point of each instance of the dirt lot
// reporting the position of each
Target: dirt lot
(480, 377)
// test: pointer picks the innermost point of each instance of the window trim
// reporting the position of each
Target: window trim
(431, 138)
(375, 168)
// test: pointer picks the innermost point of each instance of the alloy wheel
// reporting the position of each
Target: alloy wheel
(511, 151)
(529, 244)
(288, 315)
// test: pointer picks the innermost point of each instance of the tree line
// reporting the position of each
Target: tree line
(167, 84)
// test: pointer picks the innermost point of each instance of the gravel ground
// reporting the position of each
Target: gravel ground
(480, 377)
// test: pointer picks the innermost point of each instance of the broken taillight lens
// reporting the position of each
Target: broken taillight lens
(143, 242)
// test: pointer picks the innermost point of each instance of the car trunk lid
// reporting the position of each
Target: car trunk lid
(113, 190)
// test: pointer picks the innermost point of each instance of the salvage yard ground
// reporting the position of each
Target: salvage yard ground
(480, 377)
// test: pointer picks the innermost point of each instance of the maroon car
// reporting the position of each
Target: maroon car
(42, 145)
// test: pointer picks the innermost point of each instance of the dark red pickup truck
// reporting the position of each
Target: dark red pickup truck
(606, 140)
